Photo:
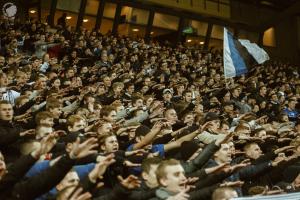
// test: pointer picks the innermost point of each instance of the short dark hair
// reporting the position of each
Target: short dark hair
(218, 194)
(4, 102)
(160, 172)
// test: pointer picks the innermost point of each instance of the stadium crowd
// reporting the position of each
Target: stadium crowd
(91, 116)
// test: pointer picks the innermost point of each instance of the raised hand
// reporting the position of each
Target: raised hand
(267, 191)
(84, 149)
(239, 166)
(180, 196)
(157, 126)
(60, 132)
(277, 161)
(27, 132)
(101, 167)
(283, 149)
(232, 184)
(224, 139)
(131, 182)
(77, 195)
(136, 152)
(46, 145)
(127, 163)
(284, 139)
(217, 168)
(204, 127)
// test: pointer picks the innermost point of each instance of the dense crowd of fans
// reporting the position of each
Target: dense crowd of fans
(91, 116)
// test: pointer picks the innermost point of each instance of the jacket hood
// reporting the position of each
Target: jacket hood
(162, 193)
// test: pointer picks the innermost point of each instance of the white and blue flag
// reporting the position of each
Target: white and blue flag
(240, 55)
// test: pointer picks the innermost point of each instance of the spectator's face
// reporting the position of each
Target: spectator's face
(107, 81)
(84, 70)
(263, 91)
(130, 89)
(111, 145)
(217, 77)
(255, 109)
(167, 96)
(174, 180)
(227, 97)
(118, 90)
(262, 134)
(138, 103)
(228, 108)
(105, 128)
(104, 58)
(41, 83)
(171, 115)
(292, 104)
(199, 109)
(48, 122)
(147, 81)
(149, 101)
(150, 177)
(42, 131)
(215, 124)
(253, 151)
(189, 119)
(263, 105)
(188, 97)
(22, 79)
(56, 112)
(6, 112)
(3, 80)
(224, 154)
(70, 73)
(180, 89)
(235, 93)
(77, 126)
(56, 83)
(274, 97)
(101, 90)
(231, 147)
(2, 60)
(2, 166)
(111, 116)
(210, 82)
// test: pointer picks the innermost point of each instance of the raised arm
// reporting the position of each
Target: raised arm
(149, 137)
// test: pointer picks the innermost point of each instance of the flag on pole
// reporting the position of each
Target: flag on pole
(240, 55)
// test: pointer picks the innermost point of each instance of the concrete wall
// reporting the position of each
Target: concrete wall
(286, 41)
(287, 34)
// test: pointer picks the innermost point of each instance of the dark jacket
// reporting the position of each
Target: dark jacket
(142, 193)
(9, 136)
(119, 192)
(245, 174)
(37, 185)
(15, 173)
(204, 193)
(201, 159)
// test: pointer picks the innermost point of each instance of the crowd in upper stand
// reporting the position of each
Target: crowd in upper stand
(91, 116)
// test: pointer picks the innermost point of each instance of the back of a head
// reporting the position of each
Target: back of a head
(161, 170)
(224, 193)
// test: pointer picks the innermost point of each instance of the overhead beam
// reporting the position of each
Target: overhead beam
(186, 14)
(99, 14)
(81, 14)
(292, 10)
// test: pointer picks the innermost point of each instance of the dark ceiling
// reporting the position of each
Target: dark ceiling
(274, 4)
